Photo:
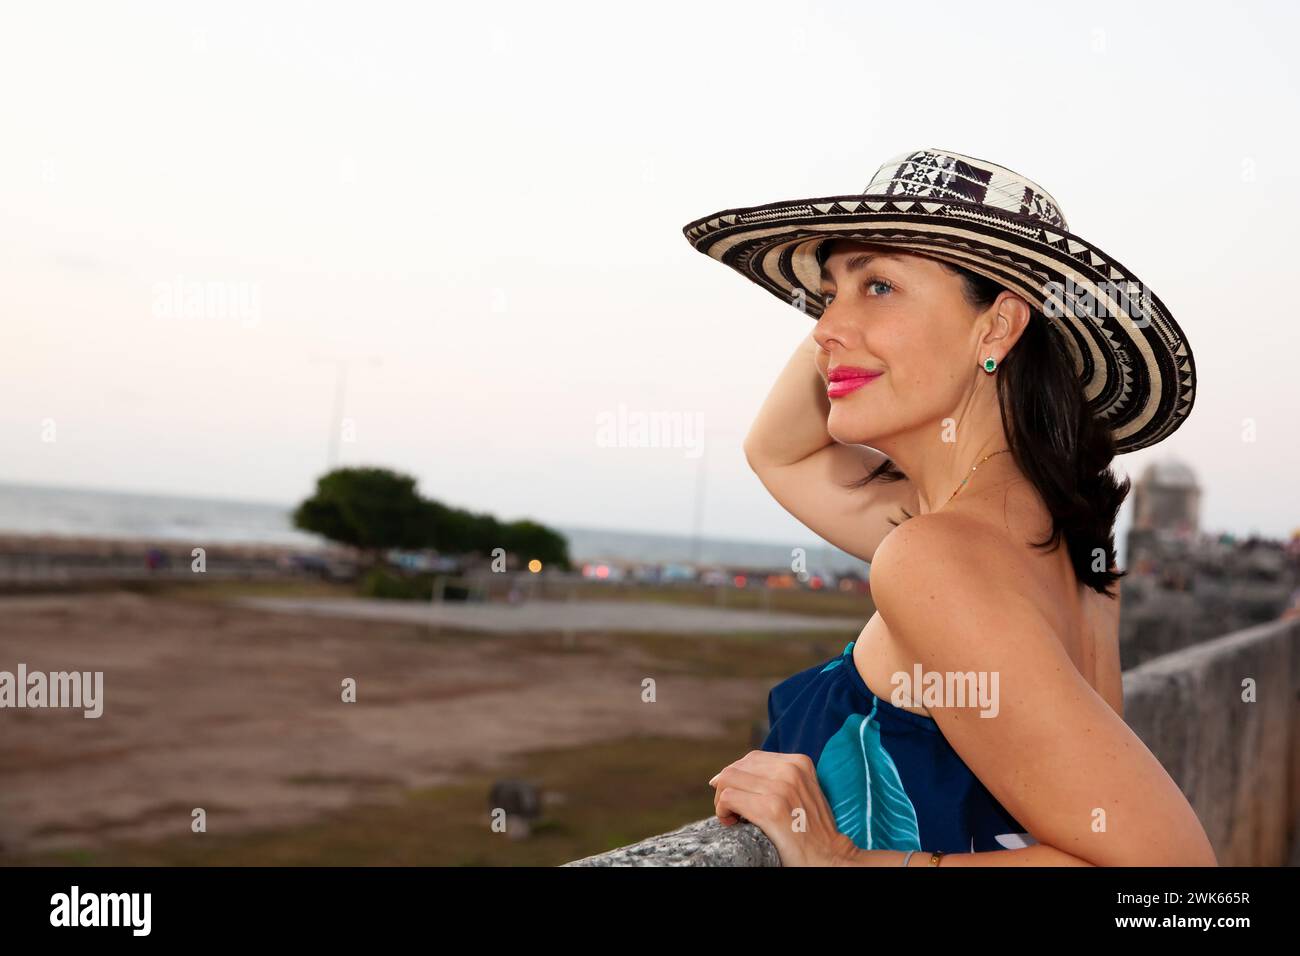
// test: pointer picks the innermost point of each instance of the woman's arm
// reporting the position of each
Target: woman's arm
(1102, 616)
(805, 470)
(1051, 751)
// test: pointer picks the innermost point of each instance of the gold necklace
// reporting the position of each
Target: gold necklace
(972, 472)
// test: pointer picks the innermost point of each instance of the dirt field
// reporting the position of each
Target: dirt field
(238, 711)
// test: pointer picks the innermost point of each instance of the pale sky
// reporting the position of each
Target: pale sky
(479, 207)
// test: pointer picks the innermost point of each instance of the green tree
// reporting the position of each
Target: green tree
(456, 531)
(529, 540)
(374, 509)
(371, 509)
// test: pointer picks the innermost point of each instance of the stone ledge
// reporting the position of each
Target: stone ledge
(703, 843)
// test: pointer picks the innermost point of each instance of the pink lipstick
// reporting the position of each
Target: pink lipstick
(844, 379)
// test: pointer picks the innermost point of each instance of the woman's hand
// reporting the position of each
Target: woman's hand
(779, 794)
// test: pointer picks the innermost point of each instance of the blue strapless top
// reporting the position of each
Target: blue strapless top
(889, 775)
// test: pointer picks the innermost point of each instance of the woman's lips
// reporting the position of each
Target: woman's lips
(843, 384)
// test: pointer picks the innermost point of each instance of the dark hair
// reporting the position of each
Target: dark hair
(1059, 444)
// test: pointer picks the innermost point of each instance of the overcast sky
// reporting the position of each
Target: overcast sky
(478, 208)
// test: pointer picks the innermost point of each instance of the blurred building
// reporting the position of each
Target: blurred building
(1166, 513)
(1185, 586)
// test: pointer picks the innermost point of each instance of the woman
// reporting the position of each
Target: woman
(951, 420)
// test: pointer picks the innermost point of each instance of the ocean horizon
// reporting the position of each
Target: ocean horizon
(79, 512)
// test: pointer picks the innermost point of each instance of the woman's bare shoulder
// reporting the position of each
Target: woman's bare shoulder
(951, 560)
(947, 537)
(940, 554)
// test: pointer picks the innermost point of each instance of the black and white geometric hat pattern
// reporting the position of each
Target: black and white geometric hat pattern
(1137, 369)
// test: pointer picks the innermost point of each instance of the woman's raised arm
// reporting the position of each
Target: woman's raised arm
(806, 470)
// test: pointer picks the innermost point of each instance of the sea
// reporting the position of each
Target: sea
(90, 513)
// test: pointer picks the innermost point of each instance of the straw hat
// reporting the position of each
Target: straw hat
(1132, 358)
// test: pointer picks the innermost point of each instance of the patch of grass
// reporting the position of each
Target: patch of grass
(740, 654)
(224, 589)
(595, 798)
(787, 601)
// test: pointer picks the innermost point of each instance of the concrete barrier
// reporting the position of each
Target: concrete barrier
(1237, 759)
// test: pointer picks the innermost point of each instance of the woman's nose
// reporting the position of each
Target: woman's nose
(831, 329)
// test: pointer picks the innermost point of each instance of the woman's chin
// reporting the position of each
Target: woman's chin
(848, 434)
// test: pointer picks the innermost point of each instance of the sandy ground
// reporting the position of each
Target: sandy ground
(238, 711)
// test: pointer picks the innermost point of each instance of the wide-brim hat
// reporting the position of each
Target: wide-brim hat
(1137, 370)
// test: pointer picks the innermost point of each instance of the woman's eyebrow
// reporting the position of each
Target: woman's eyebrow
(857, 263)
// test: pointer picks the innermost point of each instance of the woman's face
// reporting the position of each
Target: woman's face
(903, 316)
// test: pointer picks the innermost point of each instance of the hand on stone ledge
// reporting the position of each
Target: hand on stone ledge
(779, 794)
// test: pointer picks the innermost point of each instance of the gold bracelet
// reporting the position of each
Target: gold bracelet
(934, 857)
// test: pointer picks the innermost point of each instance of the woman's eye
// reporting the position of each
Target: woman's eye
(868, 285)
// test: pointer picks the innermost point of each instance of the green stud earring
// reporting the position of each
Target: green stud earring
(990, 364)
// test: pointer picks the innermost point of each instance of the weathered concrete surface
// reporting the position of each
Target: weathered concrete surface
(1236, 759)
(649, 616)
(703, 843)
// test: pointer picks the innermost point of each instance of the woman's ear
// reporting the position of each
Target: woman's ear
(1010, 315)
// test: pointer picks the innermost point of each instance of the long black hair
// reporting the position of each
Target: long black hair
(1059, 444)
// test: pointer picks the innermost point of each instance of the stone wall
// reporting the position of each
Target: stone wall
(1155, 621)
(1238, 762)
